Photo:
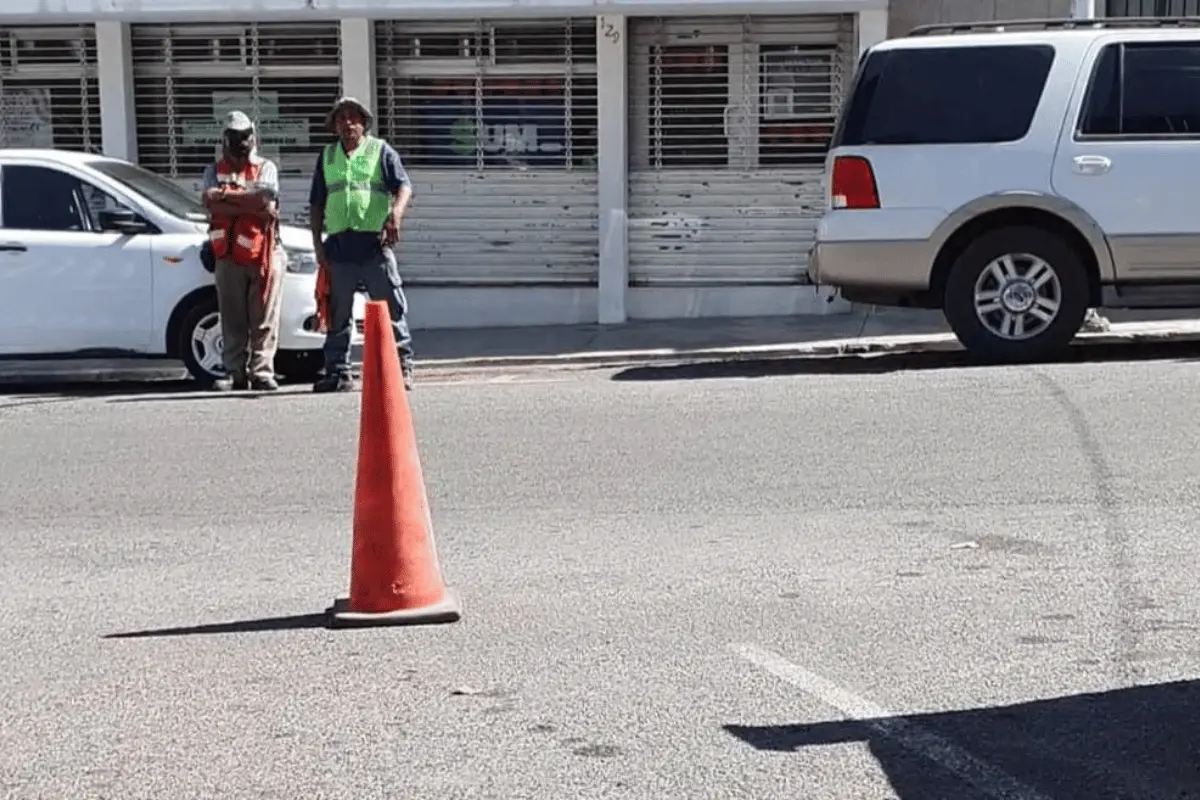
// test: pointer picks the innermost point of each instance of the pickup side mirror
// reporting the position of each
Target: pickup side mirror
(123, 220)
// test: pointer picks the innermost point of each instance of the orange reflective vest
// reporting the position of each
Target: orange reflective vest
(244, 240)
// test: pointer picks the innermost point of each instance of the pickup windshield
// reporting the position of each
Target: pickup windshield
(162, 192)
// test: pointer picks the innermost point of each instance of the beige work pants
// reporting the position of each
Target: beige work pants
(249, 327)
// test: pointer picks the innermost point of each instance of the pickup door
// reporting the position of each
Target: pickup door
(68, 286)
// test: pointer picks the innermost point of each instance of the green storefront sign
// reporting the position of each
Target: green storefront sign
(274, 132)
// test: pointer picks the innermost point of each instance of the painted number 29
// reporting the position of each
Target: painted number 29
(609, 30)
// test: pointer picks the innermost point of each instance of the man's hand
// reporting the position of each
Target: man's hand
(390, 235)
(251, 201)
(235, 201)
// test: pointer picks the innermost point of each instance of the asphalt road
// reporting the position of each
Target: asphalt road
(937, 584)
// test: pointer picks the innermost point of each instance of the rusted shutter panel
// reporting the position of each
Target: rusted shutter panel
(496, 124)
(730, 121)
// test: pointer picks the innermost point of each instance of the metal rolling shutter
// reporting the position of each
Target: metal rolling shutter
(730, 121)
(496, 124)
(49, 91)
(285, 76)
(1150, 8)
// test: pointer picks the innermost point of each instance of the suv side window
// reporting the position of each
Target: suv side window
(1144, 90)
(946, 95)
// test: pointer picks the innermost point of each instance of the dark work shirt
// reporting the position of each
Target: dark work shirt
(357, 245)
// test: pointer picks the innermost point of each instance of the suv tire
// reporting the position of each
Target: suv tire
(1026, 282)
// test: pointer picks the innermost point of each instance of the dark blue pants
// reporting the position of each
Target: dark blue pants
(380, 276)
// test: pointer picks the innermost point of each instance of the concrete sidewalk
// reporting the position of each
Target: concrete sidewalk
(643, 339)
(861, 333)
(865, 332)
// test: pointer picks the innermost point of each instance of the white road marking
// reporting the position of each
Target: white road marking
(983, 776)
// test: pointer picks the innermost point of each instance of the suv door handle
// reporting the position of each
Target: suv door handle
(12, 247)
(1092, 165)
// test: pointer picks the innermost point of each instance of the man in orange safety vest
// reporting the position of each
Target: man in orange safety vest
(241, 192)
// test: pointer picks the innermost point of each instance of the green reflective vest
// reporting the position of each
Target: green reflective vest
(356, 199)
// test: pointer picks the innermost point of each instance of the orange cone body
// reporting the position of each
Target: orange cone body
(394, 569)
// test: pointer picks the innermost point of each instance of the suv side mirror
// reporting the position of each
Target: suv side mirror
(123, 220)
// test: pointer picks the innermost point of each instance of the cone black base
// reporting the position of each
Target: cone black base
(448, 610)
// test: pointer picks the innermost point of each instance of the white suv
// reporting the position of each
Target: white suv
(1016, 174)
(100, 258)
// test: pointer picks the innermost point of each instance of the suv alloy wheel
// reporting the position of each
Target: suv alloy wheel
(1017, 294)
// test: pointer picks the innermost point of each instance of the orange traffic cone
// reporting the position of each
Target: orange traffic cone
(395, 576)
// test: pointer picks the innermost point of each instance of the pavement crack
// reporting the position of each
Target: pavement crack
(1116, 530)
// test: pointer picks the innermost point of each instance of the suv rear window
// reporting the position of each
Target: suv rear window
(946, 95)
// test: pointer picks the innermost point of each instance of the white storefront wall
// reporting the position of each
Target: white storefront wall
(632, 165)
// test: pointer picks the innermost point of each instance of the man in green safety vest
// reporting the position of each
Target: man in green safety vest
(360, 192)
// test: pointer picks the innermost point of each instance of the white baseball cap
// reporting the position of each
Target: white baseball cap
(239, 122)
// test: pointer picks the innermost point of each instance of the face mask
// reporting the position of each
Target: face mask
(238, 144)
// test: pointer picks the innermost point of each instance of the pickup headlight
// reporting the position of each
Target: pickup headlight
(301, 262)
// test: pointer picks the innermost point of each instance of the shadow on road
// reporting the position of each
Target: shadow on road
(684, 367)
(32, 393)
(298, 622)
(1119, 745)
(891, 362)
(129, 391)
(193, 395)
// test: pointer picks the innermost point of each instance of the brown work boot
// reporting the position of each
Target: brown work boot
(229, 385)
(334, 383)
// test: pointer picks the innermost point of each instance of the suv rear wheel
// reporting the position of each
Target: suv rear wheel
(1017, 294)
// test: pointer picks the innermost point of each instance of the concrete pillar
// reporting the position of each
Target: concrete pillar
(872, 27)
(358, 61)
(1084, 9)
(114, 67)
(613, 165)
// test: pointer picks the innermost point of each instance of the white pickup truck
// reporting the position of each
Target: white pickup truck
(100, 258)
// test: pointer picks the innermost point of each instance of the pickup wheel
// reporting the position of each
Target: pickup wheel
(1017, 294)
(200, 341)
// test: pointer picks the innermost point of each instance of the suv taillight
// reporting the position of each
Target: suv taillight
(853, 184)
